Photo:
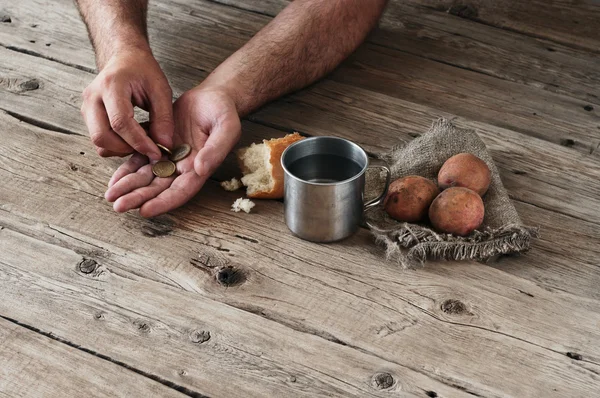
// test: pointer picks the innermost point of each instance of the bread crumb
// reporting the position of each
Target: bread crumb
(232, 185)
(242, 204)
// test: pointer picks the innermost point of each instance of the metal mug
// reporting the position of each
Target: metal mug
(324, 181)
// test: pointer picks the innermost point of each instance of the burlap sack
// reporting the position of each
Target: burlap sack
(502, 231)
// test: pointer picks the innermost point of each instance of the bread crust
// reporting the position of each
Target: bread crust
(276, 147)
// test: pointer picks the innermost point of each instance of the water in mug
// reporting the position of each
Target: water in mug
(324, 168)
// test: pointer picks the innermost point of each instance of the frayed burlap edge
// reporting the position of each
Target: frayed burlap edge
(424, 243)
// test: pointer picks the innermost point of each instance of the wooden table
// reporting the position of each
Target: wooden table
(205, 302)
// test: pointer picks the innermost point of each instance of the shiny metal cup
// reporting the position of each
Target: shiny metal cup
(324, 209)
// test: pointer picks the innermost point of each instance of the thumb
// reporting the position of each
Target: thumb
(220, 142)
(161, 117)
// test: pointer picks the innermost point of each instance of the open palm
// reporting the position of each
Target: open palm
(207, 120)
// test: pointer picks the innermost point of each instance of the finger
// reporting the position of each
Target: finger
(181, 190)
(120, 114)
(101, 134)
(132, 165)
(137, 198)
(141, 178)
(161, 116)
(220, 142)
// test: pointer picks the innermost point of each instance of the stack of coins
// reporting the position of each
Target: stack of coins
(166, 168)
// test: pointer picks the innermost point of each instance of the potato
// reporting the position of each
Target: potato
(465, 170)
(408, 198)
(457, 211)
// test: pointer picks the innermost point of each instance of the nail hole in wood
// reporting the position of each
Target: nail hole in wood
(98, 316)
(82, 153)
(414, 135)
(452, 306)
(199, 336)
(575, 356)
(520, 172)
(48, 44)
(182, 372)
(292, 379)
(230, 276)
(568, 142)
(588, 108)
(32, 41)
(34, 25)
(382, 381)
(87, 266)
(431, 394)
(550, 49)
(5, 19)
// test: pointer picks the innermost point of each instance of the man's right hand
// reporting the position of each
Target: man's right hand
(130, 78)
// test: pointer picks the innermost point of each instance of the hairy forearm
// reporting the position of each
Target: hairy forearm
(304, 42)
(114, 25)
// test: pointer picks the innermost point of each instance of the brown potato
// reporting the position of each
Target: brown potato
(408, 198)
(457, 211)
(465, 170)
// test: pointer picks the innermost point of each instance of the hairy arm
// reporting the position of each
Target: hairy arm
(115, 26)
(307, 40)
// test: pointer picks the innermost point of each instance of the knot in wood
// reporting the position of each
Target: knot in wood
(87, 266)
(142, 326)
(431, 394)
(29, 85)
(158, 226)
(575, 356)
(588, 108)
(568, 142)
(230, 276)
(199, 336)
(452, 306)
(383, 380)
(466, 11)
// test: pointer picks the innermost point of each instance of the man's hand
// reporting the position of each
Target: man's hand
(206, 119)
(132, 77)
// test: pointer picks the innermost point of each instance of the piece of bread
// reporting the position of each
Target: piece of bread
(242, 204)
(261, 166)
(232, 185)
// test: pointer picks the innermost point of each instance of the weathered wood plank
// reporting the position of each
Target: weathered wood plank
(187, 340)
(361, 302)
(530, 110)
(33, 365)
(568, 186)
(570, 22)
(529, 167)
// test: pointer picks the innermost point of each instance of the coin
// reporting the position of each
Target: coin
(164, 168)
(164, 149)
(180, 152)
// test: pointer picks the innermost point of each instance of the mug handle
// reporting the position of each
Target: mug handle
(380, 164)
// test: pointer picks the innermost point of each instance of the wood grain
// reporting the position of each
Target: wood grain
(529, 109)
(37, 366)
(361, 302)
(569, 22)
